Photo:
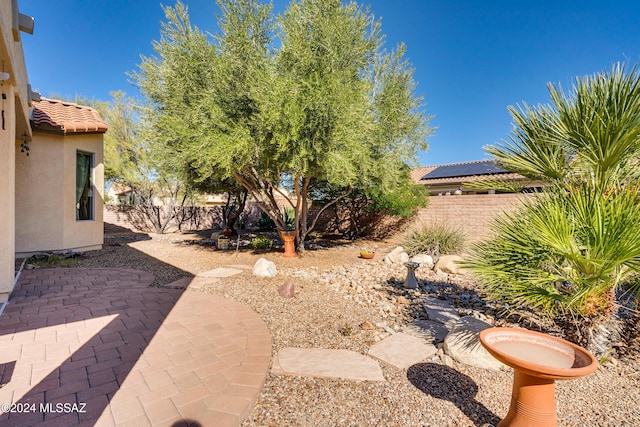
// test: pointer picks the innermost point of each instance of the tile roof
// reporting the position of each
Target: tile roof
(50, 115)
(418, 174)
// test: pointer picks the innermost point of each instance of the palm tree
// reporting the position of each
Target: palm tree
(566, 252)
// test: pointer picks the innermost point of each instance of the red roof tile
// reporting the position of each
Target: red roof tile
(50, 115)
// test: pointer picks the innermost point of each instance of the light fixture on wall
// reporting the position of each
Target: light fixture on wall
(24, 147)
(3, 78)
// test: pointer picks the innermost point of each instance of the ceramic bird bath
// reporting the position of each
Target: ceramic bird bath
(537, 360)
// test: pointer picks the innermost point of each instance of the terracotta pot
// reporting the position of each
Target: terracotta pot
(289, 239)
(223, 243)
(537, 360)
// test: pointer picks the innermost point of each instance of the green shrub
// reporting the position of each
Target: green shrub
(435, 239)
(53, 260)
(289, 217)
(265, 223)
(261, 243)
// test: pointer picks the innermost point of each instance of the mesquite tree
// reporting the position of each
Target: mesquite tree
(291, 105)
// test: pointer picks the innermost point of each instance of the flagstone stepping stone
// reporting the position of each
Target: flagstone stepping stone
(241, 266)
(180, 283)
(221, 272)
(402, 350)
(321, 362)
(200, 282)
(192, 282)
(463, 344)
(441, 311)
(429, 330)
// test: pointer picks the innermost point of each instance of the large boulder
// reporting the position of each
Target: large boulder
(396, 256)
(449, 264)
(425, 261)
(264, 268)
(463, 344)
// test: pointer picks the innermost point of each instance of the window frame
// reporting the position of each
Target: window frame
(91, 187)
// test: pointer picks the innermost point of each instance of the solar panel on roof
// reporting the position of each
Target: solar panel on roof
(465, 169)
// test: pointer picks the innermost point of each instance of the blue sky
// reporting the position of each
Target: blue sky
(472, 58)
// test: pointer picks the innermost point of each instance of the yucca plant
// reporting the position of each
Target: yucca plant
(565, 252)
(435, 239)
(563, 255)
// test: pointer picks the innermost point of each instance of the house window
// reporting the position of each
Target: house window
(84, 186)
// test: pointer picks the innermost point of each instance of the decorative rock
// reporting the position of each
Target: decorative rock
(366, 325)
(425, 261)
(447, 360)
(287, 289)
(448, 264)
(321, 362)
(393, 257)
(402, 300)
(463, 344)
(402, 350)
(264, 268)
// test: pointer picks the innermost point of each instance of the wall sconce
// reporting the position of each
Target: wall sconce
(3, 78)
(24, 147)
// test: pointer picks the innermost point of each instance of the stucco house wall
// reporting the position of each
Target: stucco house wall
(16, 109)
(45, 185)
(7, 204)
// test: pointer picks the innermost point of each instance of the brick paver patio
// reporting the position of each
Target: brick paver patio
(99, 347)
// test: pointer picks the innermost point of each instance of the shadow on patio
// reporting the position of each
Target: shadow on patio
(100, 347)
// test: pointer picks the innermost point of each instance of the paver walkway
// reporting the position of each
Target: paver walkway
(98, 347)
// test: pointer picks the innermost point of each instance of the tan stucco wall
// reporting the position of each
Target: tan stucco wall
(7, 203)
(45, 207)
(472, 213)
(16, 123)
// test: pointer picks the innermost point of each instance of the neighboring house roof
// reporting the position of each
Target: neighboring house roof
(50, 115)
(457, 173)
(119, 189)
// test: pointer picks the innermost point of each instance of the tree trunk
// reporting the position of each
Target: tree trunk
(239, 204)
(597, 335)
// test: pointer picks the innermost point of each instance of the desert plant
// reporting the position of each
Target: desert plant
(566, 252)
(261, 243)
(288, 218)
(52, 261)
(265, 223)
(435, 239)
(563, 255)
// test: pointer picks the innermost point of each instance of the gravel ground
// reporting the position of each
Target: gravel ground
(343, 302)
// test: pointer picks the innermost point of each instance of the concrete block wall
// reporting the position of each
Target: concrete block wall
(473, 213)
